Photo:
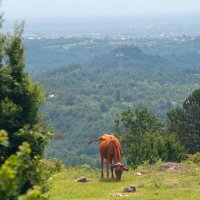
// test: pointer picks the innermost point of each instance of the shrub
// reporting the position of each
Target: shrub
(11, 173)
(154, 147)
(195, 158)
(43, 170)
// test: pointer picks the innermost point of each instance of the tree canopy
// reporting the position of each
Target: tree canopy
(143, 139)
(185, 122)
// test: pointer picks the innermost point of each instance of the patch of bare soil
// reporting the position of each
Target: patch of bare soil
(171, 167)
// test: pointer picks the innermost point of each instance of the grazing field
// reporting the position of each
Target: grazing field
(152, 183)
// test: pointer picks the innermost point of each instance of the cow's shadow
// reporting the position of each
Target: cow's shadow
(107, 180)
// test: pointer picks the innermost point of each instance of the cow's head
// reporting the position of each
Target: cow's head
(119, 168)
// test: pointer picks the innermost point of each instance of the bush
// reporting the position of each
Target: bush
(37, 137)
(19, 169)
(11, 173)
(195, 158)
(154, 147)
(43, 170)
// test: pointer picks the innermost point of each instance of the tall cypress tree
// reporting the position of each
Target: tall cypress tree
(20, 100)
(23, 136)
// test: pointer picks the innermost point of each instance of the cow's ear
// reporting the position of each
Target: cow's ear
(113, 165)
(125, 168)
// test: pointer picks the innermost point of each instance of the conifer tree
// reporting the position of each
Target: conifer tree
(20, 100)
(185, 122)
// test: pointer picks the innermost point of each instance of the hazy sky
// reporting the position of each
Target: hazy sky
(21, 9)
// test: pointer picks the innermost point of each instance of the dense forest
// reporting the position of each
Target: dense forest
(90, 82)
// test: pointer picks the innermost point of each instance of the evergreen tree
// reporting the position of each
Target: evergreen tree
(185, 122)
(20, 100)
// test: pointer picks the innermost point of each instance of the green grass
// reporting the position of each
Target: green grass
(153, 184)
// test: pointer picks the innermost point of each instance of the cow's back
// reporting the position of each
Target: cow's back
(109, 146)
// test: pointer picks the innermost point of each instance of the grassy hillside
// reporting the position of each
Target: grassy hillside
(156, 182)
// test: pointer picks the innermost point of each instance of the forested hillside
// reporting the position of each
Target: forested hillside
(84, 100)
(175, 52)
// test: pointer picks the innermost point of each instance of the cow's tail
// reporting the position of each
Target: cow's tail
(91, 141)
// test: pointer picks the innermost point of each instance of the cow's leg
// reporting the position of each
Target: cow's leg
(111, 168)
(102, 162)
(107, 168)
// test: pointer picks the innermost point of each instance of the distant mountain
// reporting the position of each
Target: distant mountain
(43, 54)
(127, 57)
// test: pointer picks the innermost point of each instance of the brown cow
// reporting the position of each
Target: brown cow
(110, 149)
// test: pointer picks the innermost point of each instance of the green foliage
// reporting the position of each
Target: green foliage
(12, 170)
(173, 149)
(142, 139)
(11, 173)
(36, 136)
(132, 126)
(43, 171)
(19, 168)
(3, 138)
(154, 147)
(32, 194)
(15, 53)
(20, 100)
(9, 115)
(184, 122)
(19, 97)
(195, 158)
(2, 43)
